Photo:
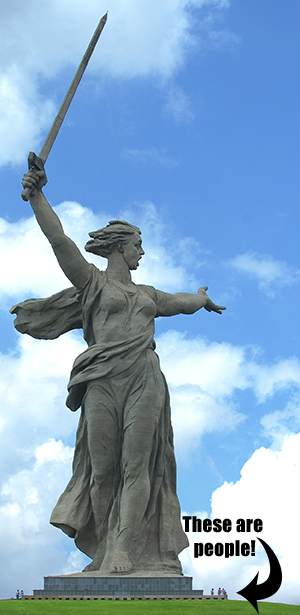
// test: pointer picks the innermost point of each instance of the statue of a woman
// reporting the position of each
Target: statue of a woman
(120, 504)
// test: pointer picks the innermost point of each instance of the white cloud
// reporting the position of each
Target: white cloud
(155, 37)
(267, 490)
(26, 500)
(205, 378)
(195, 413)
(53, 451)
(278, 424)
(270, 273)
(140, 39)
(269, 379)
(197, 361)
(24, 114)
(178, 104)
(33, 384)
(222, 367)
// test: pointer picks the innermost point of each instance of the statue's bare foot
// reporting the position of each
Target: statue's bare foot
(121, 563)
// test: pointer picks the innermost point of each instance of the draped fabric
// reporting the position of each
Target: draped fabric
(47, 319)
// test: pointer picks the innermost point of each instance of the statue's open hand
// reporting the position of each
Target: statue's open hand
(34, 180)
(209, 305)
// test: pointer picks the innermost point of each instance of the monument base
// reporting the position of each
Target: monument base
(89, 585)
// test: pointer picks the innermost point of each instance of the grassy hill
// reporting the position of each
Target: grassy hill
(142, 607)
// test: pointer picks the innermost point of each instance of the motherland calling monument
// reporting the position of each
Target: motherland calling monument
(120, 505)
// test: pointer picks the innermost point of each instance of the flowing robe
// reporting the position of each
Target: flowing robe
(125, 369)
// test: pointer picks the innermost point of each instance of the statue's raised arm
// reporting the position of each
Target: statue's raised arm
(68, 255)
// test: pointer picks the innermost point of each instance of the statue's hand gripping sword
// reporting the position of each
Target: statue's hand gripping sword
(37, 162)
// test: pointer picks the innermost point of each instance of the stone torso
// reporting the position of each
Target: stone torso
(120, 312)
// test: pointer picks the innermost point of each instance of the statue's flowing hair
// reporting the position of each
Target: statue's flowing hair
(105, 239)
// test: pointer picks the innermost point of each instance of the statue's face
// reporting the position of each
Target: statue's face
(133, 251)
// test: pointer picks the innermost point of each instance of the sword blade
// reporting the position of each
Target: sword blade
(44, 153)
(53, 132)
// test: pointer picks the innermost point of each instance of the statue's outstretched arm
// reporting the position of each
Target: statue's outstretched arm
(188, 303)
(68, 255)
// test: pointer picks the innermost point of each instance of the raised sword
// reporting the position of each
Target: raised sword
(37, 162)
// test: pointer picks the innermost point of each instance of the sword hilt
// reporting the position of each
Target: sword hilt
(34, 164)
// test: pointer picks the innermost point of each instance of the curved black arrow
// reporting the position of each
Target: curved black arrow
(254, 592)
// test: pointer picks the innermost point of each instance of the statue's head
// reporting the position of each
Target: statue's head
(115, 235)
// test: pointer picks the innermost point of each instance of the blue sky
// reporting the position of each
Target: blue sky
(186, 123)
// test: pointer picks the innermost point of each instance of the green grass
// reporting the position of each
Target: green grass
(143, 607)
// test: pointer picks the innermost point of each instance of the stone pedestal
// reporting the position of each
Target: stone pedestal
(89, 585)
